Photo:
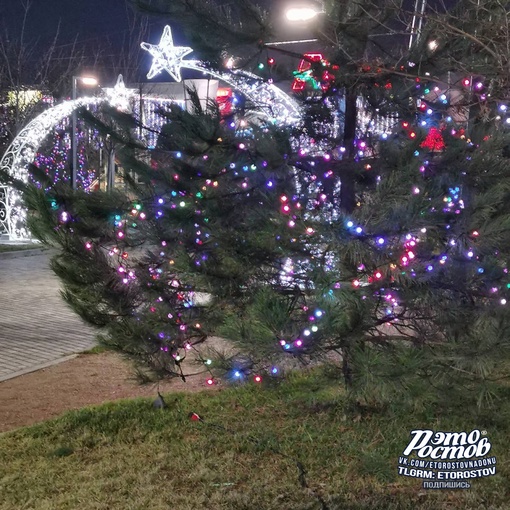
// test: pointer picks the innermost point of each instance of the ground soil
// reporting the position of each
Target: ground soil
(85, 380)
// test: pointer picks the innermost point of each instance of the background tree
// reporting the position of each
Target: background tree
(28, 74)
(240, 233)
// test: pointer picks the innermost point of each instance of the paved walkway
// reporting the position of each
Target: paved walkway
(37, 328)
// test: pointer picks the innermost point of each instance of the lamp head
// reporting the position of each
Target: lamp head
(300, 13)
(89, 81)
(303, 10)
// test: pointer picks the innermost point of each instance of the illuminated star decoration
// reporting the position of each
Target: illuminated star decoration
(119, 96)
(167, 57)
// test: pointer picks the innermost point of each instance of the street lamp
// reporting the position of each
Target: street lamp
(303, 11)
(301, 14)
(88, 81)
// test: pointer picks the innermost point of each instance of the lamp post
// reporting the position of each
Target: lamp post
(90, 82)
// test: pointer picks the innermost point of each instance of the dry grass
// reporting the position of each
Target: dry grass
(127, 455)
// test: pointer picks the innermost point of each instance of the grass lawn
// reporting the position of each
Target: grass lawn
(245, 455)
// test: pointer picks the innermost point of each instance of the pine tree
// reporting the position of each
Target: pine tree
(244, 234)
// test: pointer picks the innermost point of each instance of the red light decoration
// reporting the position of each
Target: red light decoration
(224, 97)
(304, 73)
(433, 141)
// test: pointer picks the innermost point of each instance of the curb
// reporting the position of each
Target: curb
(14, 254)
(35, 368)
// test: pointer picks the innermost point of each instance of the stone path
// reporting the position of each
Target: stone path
(37, 328)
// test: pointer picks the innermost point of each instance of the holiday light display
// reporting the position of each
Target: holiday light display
(305, 73)
(120, 96)
(406, 255)
(236, 222)
(272, 101)
(23, 149)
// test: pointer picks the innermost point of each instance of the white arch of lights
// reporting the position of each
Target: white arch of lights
(272, 103)
(21, 153)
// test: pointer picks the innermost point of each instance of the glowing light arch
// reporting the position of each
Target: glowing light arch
(21, 153)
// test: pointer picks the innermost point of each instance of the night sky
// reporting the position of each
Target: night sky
(99, 26)
(96, 24)
(86, 20)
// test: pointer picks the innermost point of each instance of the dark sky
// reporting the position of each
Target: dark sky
(81, 19)
(105, 27)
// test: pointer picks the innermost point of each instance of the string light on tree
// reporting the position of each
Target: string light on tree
(288, 270)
